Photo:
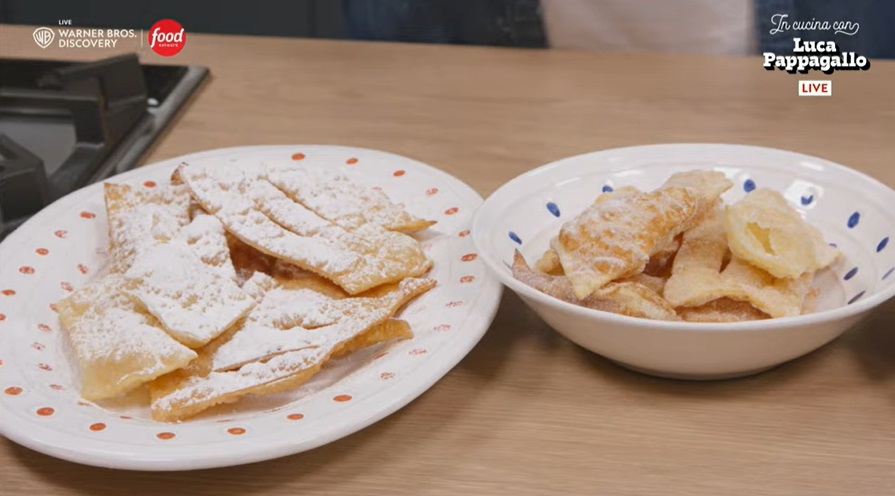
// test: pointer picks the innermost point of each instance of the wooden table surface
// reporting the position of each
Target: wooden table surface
(527, 412)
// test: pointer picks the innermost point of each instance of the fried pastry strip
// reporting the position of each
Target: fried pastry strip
(265, 218)
(118, 345)
(767, 232)
(630, 298)
(315, 188)
(615, 238)
(697, 277)
(279, 348)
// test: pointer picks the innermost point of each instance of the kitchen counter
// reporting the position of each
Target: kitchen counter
(527, 412)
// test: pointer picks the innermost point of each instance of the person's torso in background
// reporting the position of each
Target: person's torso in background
(704, 26)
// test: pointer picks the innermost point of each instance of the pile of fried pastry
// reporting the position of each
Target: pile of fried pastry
(680, 253)
(231, 280)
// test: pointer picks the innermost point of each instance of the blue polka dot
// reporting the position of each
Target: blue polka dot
(889, 273)
(806, 200)
(515, 238)
(882, 244)
(833, 245)
(850, 274)
(854, 219)
(749, 185)
(553, 209)
(607, 189)
(855, 297)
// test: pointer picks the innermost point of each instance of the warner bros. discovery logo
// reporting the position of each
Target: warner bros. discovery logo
(43, 36)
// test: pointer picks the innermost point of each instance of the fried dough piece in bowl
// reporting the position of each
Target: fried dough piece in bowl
(615, 239)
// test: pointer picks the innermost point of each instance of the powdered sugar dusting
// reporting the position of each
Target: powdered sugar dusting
(118, 346)
(219, 384)
(192, 300)
(224, 191)
(615, 237)
(337, 198)
(284, 211)
(265, 353)
(356, 260)
(140, 218)
(258, 285)
(289, 319)
(205, 237)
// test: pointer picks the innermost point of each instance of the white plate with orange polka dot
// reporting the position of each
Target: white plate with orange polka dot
(63, 246)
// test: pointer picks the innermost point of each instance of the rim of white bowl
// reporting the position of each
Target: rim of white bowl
(866, 304)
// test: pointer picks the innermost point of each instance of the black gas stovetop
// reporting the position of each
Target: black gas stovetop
(64, 125)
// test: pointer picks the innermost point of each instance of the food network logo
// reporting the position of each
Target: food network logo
(166, 37)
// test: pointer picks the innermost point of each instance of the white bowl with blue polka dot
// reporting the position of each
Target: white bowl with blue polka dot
(854, 211)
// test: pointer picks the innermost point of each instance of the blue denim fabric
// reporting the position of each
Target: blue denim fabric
(519, 23)
(472, 22)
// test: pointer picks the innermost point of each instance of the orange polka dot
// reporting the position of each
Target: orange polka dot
(431, 191)
(298, 156)
(342, 397)
(380, 355)
(451, 211)
(60, 233)
(52, 306)
(42, 251)
(1, 363)
(13, 390)
(467, 279)
(45, 411)
(295, 416)
(469, 257)
(2, 317)
(165, 435)
(452, 304)
(56, 387)
(26, 270)
(398, 173)
(386, 375)
(442, 328)
(43, 366)
(66, 286)
(236, 431)
(149, 184)
(88, 215)
(37, 346)
(44, 327)
(417, 351)
(463, 233)
(8, 292)
(99, 426)
(83, 269)
(351, 161)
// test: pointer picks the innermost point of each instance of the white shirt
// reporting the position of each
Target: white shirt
(703, 26)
